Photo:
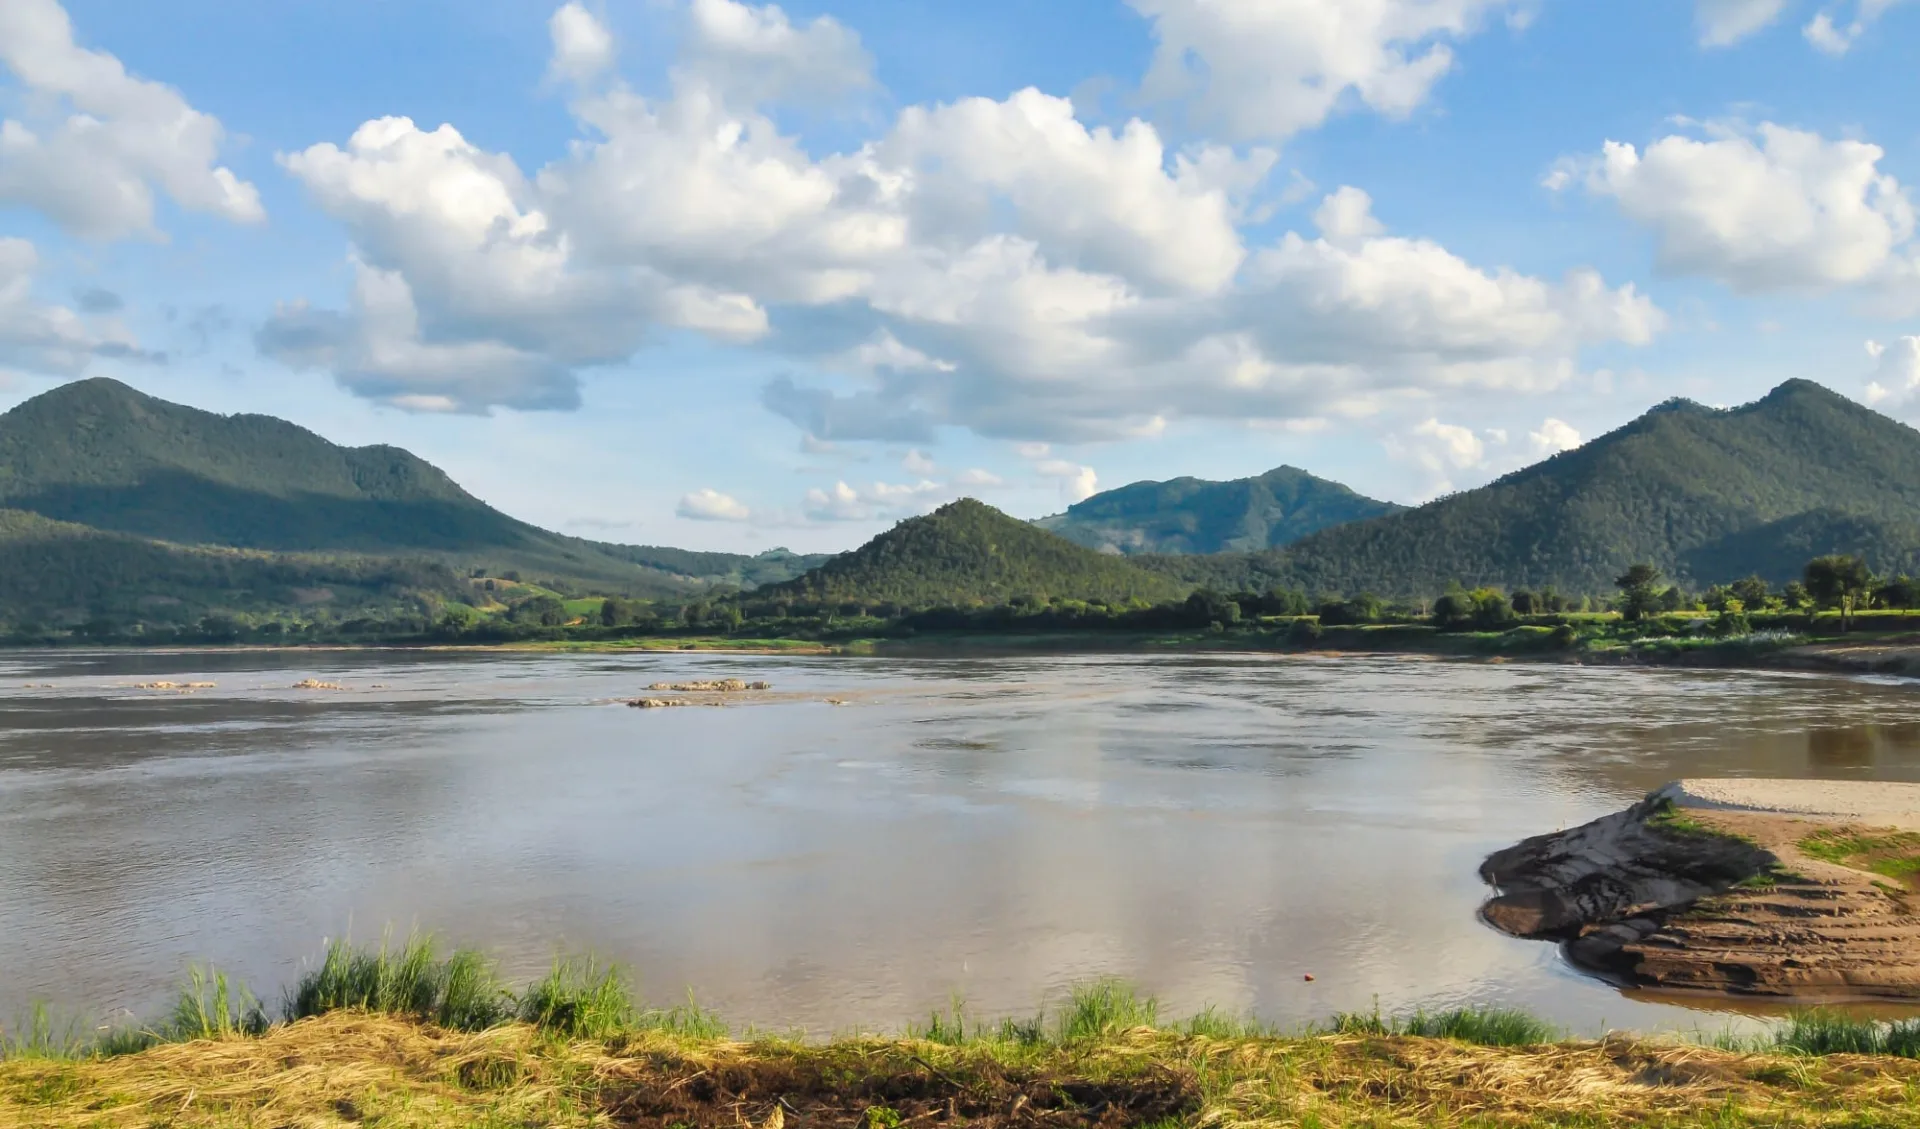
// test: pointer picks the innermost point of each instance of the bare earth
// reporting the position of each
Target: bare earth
(1731, 886)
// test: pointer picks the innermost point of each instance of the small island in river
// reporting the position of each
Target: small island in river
(1793, 889)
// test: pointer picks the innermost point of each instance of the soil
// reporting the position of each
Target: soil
(1716, 899)
(775, 1093)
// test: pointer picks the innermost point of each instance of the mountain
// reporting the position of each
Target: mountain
(967, 552)
(1193, 515)
(98, 454)
(1706, 495)
(57, 571)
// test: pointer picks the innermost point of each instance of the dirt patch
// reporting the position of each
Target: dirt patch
(881, 1093)
(1735, 902)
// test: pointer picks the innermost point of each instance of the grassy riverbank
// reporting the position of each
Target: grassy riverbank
(404, 1039)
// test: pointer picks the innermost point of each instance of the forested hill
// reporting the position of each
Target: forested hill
(968, 552)
(1706, 495)
(1194, 515)
(98, 454)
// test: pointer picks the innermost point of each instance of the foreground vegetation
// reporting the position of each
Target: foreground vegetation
(401, 1037)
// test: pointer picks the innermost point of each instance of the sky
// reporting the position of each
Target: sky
(728, 276)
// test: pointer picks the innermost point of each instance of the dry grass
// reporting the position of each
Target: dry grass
(356, 1069)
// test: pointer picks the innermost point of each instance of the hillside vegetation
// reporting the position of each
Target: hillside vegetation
(1193, 515)
(967, 552)
(143, 508)
(1706, 496)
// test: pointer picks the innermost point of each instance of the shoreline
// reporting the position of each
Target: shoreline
(1846, 658)
(410, 1037)
(1793, 890)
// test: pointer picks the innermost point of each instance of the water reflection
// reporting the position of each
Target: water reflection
(1214, 827)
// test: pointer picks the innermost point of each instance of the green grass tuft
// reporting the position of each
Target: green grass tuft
(461, 992)
(212, 1007)
(581, 999)
(1832, 1033)
(1104, 1008)
(1485, 1026)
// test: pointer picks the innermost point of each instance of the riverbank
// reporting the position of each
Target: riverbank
(1796, 890)
(360, 1068)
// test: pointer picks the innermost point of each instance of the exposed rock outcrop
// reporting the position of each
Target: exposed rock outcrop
(1693, 890)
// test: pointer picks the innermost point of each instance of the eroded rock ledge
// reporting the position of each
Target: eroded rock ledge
(1773, 888)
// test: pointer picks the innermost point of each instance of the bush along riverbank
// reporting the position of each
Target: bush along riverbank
(403, 1038)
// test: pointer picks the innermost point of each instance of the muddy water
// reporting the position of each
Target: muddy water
(1216, 829)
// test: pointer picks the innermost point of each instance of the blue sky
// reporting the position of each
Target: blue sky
(706, 273)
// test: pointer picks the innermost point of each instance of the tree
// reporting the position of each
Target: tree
(1453, 608)
(1900, 592)
(1639, 593)
(1751, 592)
(1526, 603)
(1838, 581)
(543, 610)
(1491, 612)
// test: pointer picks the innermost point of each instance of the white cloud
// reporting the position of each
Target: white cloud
(1553, 437)
(758, 53)
(1347, 216)
(1834, 34)
(1077, 483)
(976, 479)
(582, 45)
(1096, 199)
(918, 462)
(50, 340)
(1272, 68)
(880, 500)
(1895, 385)
(991, 265)
(98, 141)
(1723, 23)
(708, 504)
(1776, 209)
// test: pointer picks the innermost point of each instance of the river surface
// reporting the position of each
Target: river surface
(1215, 829)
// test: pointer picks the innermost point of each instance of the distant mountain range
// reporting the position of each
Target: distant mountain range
(124, 485)
(1706, 495)
(115, 505)
(967, 552)
(1193, 515)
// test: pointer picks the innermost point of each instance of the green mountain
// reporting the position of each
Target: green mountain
(1707, 495)
(1193, 515)
(115, 503)
(967, 552)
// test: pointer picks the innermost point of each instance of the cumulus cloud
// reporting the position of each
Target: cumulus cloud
(1077, 482)
(758, 53)
(842, 502)
(995, 265)
(1723, 23)
(1895, 385)
(582, 45)
(97, 142)
(918, 462)
(708, 504)
(975, 478)
(1553, 437)
(1833, 33)
(1774, 209)
(50, 340)
(1450, 456)
(1271, 68)
(1439, 450)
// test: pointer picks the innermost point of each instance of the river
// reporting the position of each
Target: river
(1216, 829)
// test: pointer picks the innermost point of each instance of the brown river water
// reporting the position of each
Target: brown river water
(1213, 828)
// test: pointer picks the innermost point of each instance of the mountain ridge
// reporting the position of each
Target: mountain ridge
(969, 552)
(1195, 515)
(1666, 488)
